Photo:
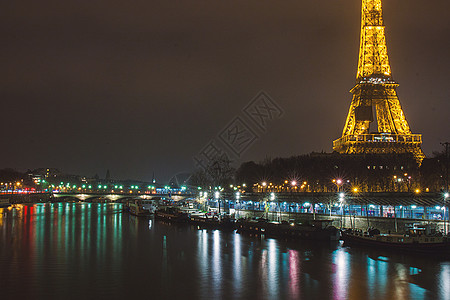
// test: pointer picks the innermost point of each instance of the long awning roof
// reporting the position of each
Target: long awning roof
(394, 199)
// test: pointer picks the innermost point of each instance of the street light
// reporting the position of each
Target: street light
(238, 196)
(446, 195)
(216, 196)
(338, 182)
(272, 198)
(341, 200)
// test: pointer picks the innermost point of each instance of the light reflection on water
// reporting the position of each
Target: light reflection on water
(294, 274)
(341, 275)
(70, 250)
(216, 273)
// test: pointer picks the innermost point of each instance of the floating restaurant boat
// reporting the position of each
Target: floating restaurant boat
(212, 222)
(172, 214)
(314, 230)
(150, 205)
(137, 208)
(419, 239)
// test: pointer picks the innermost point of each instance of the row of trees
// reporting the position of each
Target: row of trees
(320, 171)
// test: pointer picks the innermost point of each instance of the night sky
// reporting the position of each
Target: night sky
(138, 87)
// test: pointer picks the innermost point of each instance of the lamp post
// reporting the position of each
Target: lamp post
(355, 191)
(238, 196)
(293, 184)
(342, 201)
(338, 182)
(447, 160)
(264, 185)
(272, 199)
(217, 197)
(446, 196)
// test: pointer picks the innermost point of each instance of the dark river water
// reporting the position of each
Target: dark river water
(94, 251)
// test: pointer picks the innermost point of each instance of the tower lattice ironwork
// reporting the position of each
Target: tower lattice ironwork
(375, 93)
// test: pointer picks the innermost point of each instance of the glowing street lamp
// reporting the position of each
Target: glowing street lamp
(338, 183)
(446, 195)
(238, 196)
(217, 197)
(341, 200)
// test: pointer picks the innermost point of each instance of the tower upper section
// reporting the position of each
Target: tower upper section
(373, 58)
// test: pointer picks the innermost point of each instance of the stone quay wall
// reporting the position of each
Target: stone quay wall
(385, 225)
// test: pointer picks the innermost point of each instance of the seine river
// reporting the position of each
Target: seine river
(95, 251)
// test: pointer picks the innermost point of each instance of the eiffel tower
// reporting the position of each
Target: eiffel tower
(375, 93)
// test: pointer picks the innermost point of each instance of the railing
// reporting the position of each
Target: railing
(378, 138)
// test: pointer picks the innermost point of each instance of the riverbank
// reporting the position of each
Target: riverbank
(385, 225)
(27, 198)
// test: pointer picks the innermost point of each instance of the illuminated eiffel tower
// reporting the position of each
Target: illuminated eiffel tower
(375, 92)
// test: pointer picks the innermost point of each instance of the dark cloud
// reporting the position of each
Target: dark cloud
(142, 86)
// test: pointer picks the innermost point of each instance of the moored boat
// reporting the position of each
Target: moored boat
(212, 222)
(137, 208)
(313, 230)
(150, 205)
(423, 239)
(172, 214)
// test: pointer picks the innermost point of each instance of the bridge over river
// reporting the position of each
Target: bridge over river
(88, 196)
(384, 199)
